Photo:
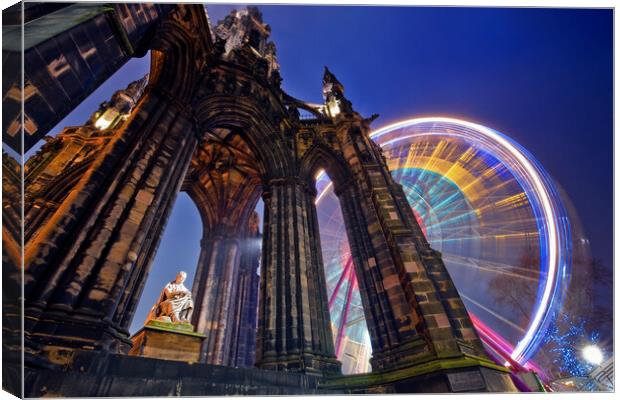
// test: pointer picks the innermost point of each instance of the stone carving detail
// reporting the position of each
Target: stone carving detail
(246, 27)
(174, 303)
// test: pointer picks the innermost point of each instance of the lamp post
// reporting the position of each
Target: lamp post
(592, 354)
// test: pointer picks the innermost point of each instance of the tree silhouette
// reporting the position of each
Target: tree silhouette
(517, 294)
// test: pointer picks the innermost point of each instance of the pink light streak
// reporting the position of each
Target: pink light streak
(502, 347)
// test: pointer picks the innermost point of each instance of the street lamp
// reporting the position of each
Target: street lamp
(592, 354)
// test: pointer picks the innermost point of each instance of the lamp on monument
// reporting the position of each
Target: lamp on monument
(333, 107)
(333, 91)
(106, 119)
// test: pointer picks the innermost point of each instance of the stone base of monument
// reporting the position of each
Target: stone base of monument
(99, 374)
(167, 341)
(465, 373)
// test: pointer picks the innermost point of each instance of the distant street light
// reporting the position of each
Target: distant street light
(592, 354)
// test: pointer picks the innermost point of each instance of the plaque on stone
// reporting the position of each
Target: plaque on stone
(466, 381)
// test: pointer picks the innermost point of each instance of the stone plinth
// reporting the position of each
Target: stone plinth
(167, 341)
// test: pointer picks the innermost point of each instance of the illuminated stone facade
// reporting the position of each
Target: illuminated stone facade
(212, 120)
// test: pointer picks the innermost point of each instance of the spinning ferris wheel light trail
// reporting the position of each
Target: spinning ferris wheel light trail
(480, 198)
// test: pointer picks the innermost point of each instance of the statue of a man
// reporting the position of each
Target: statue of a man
(174, 302)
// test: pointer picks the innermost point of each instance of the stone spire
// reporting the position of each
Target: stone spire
(331, 84)
(333, 94)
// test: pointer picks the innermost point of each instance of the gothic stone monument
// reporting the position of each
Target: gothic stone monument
(212, 120)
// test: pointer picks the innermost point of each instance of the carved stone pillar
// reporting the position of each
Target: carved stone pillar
(243, 350)
(294, 326)
(225, 293)
(84, 268)
(412, 308)
(215, 296)
(467, 339)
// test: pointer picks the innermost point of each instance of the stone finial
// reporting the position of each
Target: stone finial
(331, 84)
(333, 93)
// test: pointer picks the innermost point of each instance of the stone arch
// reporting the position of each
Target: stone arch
(208, 211)
(258, 130)
(103, 237)
(178, 52)
(217, 289)
(226, 193)
(318, 157)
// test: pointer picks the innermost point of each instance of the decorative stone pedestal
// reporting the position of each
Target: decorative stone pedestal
(167, 341)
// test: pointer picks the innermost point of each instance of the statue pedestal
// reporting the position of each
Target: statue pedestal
(168, 341)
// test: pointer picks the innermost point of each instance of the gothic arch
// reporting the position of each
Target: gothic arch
(248, 119)
(178, 53)
(318, 157)
(208, 210)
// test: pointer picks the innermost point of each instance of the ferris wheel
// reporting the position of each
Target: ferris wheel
(492, 211)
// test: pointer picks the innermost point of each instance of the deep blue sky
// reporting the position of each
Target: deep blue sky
(541, 76)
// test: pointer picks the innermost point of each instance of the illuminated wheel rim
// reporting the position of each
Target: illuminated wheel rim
(481, 200)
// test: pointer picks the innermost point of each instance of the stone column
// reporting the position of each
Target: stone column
(215, 296)
(225, 293)
(467, 338)
(243, 349)
(84, 268)
(294, 327)
(412, 308)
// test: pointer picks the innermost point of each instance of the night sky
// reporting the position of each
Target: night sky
(541, 76)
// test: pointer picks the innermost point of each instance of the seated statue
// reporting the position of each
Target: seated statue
(174, 303)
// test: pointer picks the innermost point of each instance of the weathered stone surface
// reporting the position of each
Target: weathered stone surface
(294, 331)
(455, 375)
(112, 375)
